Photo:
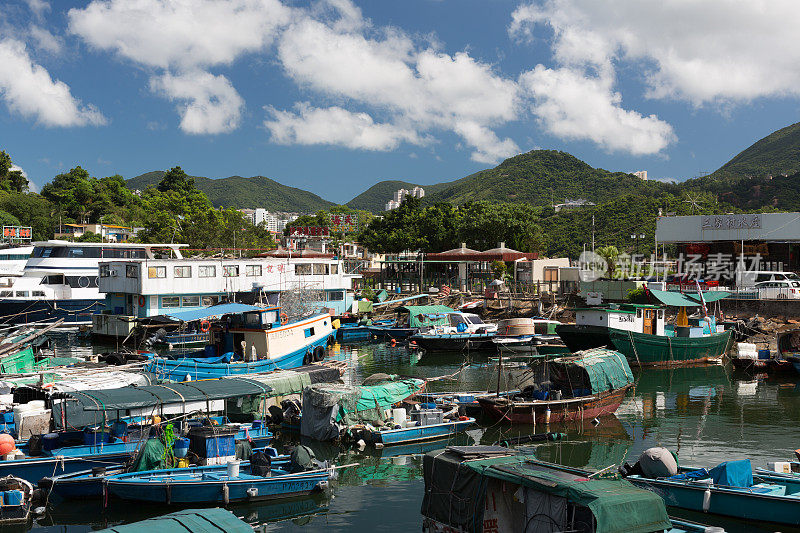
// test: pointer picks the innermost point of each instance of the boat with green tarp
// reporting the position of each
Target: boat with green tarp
(581, 386)
(211, 520)
(642, 334)
(410, 318)
(490, 488)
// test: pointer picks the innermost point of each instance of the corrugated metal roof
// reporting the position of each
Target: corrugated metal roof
(679, 299)
(213, 311)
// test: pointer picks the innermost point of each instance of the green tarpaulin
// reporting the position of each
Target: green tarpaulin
(426, 315)
(600, 369)
(689, 299)
(195, 520)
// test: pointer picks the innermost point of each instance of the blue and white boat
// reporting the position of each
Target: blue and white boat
(250, 341)
(215, 484)
(414, 433)
(89, 483)
(353, 332)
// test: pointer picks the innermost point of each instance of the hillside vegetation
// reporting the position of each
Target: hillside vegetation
(777, 153)
(240, 192)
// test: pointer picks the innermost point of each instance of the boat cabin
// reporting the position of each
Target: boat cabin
(637, 318)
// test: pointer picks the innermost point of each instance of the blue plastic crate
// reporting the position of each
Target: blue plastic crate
(12, 497)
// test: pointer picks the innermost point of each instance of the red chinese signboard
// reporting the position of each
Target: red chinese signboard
(311, 231)
(344, 223)
(17, 232)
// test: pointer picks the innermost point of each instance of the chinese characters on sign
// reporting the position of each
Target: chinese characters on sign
(311, 231)
(17, 232)
(344, 223)
(730, 222)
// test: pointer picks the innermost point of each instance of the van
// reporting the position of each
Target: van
(749, 278)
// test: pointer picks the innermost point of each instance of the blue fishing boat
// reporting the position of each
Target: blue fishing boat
(405, 435)
(215, 484)
(353, 332)
(257, 340)
(409, 320)
(89, 483)
(728, 489)
(195, 520)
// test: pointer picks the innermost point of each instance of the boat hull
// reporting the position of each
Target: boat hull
(535, 412)
(742, 504)
(130, 487)
(582, 337)
(389, 332)
(74, 312)
(420, 433)
(660, 350)
(354, 333)
(454, 342)
(34, 469)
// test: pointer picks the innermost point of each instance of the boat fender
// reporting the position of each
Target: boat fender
(706, 500)
(308, 358)
(252, 492)
(463, 418)
(319, 353)
(331, 340)
(225, 494)
(205, 325)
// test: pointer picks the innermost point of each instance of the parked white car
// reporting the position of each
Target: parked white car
(778, 290)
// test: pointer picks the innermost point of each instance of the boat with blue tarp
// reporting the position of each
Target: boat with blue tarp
(480, 488)
(211, 520)
(728, 489)
(250, 341)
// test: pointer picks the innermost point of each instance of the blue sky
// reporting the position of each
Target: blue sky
(333, 96)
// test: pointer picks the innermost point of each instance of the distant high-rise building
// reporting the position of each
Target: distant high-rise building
(400, 195)
(641, 174)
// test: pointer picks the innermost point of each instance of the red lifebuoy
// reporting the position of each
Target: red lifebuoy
(284, 319)
(142, 301)
(205, 325)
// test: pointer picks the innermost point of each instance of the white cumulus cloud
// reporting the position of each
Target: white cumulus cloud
(701, 52)
(573, 105)
(208, 104)
(335, 126)
(28, 89)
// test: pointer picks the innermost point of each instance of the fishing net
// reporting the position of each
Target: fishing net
(151, 457)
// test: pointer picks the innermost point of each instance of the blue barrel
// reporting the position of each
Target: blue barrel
(8, 417)
(119, 428)
(50, 441)
(12, 497)
(93, 437)
(180, 448)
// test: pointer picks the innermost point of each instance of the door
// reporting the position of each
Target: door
(650, 321)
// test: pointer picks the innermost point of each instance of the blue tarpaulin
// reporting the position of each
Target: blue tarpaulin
(214, 310)
(733, 473)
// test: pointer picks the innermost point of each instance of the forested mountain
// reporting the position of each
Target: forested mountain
(776, 154)
(240, 192)
(374, 199)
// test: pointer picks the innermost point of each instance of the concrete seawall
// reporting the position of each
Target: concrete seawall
(788, 309)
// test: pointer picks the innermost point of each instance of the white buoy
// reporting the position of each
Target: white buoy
(706, 500)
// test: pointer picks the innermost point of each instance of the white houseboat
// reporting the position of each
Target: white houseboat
(136, 289)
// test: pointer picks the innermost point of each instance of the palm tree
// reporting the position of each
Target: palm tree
(610, 254)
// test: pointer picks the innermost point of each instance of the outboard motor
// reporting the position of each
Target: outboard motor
(657, 462)
(302, 459)
(260, 464)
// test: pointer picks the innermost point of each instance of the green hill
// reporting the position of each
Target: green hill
(375, 198)
(776, 154)
(240, 192)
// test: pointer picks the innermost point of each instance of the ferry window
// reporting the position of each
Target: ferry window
(83, 251)
(334, 269)
(269, 317)
(638, 313)
(309, 332)
(37, 293)
(336, 296)
(303, 269)
(208, 301)
(230, 271)
(183, 272)
(190, 301)
(170, 301)
(253, 270)
(131, 271)
(105, 271)
(320, 269)
(156, 272)
(252, 319)
(23, 294)
(53, 279)
(207, 271)
(5, 294)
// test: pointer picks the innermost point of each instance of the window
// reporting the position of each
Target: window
(253, 270)
(208, 301)
(183, 272)
(6, 294)
(334, 269)
(37, 293)
(309, 332)
(252, 319)
(336, 296)
(157, 272)
(170, 301)
(105, 271)
(320, 269)
(190, 301)
(131, 271)
(230, 271)
(302, 269)
(207, 271)
(22, 294)
(270, 317)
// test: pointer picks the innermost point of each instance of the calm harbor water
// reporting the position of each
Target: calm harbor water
(706, 414)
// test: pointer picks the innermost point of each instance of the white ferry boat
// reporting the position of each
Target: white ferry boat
(136, 289)
(60, 280)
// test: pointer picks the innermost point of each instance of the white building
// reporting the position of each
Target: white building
(400, 194)
(641, 174)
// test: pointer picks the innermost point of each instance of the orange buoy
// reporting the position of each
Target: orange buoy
(6, 444)
(392, 342)
(205, 325)
(284, 318)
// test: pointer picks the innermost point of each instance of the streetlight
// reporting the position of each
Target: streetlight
(636, 238)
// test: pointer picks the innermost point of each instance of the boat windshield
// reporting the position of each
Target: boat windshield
(473, 319)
